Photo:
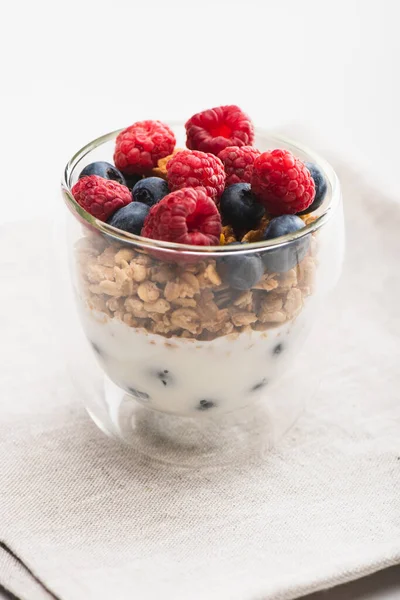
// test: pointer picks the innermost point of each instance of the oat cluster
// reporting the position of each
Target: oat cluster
(161, 169)
(187, 300)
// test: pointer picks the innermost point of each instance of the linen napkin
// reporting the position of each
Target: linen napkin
(91, 519)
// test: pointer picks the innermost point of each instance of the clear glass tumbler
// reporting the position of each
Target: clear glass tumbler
(171, 359)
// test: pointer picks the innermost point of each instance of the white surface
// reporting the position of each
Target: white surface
(91, 517)
(74, 70)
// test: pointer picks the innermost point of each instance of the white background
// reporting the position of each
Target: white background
(74, 70)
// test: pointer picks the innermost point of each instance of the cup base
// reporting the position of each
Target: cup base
(226, 438)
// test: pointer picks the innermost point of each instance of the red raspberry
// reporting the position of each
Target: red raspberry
(217, 128)
(238, 163)
(190, 168)
(100, 197)
(139, 147)
(187, 216)
(282, 183)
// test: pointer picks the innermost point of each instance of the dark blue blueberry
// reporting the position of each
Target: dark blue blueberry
(288, 256)
(282, 226)
(240, 209)
(206, 404)
(103, 169)
(242, 271)
(130, 217)
(163, 375)
(259, 385)
(320, 187)
(139, 395)
(278, 349)
(150, 190)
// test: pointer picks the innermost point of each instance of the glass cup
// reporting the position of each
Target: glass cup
(194, 355)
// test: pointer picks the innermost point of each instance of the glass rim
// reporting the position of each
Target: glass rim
(171, 247)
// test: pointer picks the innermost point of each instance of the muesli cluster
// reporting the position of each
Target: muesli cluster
(187, 300)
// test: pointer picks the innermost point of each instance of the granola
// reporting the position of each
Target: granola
(187, 300)
(161, 169)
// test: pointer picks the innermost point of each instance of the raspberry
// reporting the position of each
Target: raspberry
(187, 216)
(282, 183)
(238, 163)
(217, 128)
(139, 147)
(100, 197)
(190, 168)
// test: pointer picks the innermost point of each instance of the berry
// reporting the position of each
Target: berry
(163, 375)
(287, 257)
(138, 394)
(130, 217)
(105, 170)
(240, 209)
(238, 163)
(186, 216)
(217, 128)
(139, 147)
(190, 168)
(320, 187)
(260, 385)
(282, 226)
(206, 404)
(282, 182)
(150, 190)
(242, 271)
(100, 197)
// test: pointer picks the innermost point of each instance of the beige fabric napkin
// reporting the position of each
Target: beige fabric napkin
(93, 520)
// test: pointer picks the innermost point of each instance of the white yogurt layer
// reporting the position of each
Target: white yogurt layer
(187, 377)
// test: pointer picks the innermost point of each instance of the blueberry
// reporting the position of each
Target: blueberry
(130, 217)
(259, 385)
(241, 272)
(103, 169)
(139, 395)
(240, 209)
(150, 190)
(282, 226)
(163, 375)
(206, 404)
(278, 349)
(320, 187)
(288, 256)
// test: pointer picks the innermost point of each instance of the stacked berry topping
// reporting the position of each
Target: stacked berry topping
(219, 190)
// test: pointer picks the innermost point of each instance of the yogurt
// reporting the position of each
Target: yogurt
(187, 377)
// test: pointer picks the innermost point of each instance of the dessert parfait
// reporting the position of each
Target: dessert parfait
(198, 264)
